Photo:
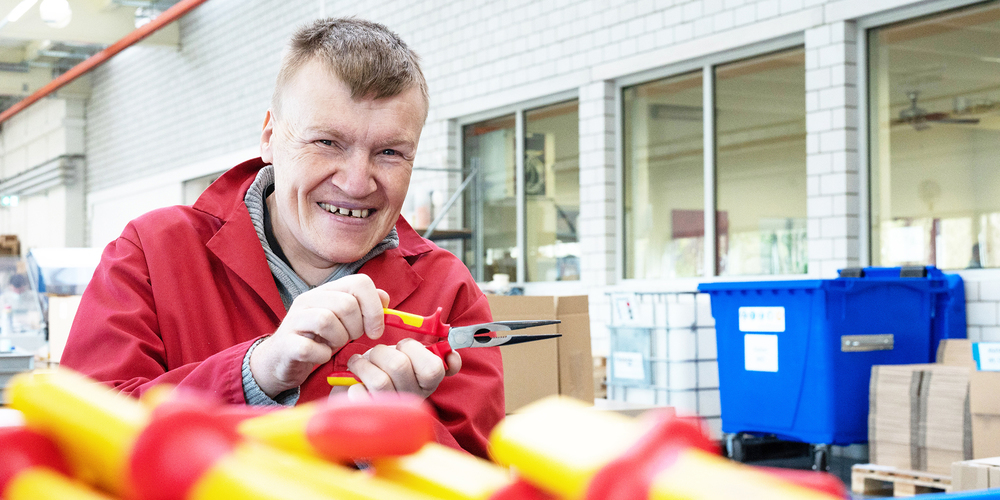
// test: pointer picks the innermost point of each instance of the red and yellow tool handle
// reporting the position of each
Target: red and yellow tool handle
(93, 426)
(441, 349)
(343, 430)
(33, 468)
(428, 325)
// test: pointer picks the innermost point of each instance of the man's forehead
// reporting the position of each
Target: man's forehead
(318, 67)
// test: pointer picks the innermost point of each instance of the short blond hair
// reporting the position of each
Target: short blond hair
(372, 60)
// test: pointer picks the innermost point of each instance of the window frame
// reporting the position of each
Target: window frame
(518, 110)
(864, 26)
(707, 67)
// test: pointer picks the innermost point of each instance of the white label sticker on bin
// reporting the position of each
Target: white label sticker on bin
(761, 352)
(987, 355)
(762, 319)
(628, 366)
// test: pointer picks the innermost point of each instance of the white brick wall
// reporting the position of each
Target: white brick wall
(982, 304)
(155, 110)
(597, 184)
(831, 97)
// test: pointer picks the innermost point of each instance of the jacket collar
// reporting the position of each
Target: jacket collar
(236, 243)
(391, 271)
(237, 246)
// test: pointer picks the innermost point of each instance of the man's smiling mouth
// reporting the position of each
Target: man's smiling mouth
(358, 214)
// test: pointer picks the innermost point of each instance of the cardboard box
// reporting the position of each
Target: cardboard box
(535, 370)
(978, 474)
(576, 359)
(984, 397)
(10, 244)
(956, 352)
(919, 417)
(62, 310)
(530, 370)
(924, 417)
(984, 404)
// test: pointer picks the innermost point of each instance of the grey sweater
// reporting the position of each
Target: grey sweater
(289, 284)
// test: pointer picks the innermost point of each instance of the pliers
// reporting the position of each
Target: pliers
(458, 337)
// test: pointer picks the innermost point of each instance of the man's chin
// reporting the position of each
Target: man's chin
(349, 247)
(345, 256)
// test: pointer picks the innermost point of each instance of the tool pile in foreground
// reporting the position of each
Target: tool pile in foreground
(82, 441)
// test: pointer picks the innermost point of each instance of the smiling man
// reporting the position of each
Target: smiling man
(278, 274)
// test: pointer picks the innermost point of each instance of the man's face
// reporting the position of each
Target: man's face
(341, 167)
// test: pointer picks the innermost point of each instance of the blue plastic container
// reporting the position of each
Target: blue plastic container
(795, 357)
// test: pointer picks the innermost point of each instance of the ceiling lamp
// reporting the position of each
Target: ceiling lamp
(143, 15)
(55, 13)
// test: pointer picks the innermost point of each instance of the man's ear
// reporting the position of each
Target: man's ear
(266, 134)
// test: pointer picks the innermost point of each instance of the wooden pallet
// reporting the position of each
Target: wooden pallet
(871, 479)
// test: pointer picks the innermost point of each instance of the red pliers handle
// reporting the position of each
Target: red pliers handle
(428, 325)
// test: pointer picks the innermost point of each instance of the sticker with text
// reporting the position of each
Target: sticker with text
(762, 319)
(628, 366)
(987, 356)
(761, 352)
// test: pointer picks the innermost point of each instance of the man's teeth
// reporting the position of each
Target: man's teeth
(361, 214)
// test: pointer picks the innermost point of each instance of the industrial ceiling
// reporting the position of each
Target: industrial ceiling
(41, 39)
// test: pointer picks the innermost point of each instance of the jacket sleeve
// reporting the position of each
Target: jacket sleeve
(470, 403)
(115, 337)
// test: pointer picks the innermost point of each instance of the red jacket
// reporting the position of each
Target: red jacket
(181, 295)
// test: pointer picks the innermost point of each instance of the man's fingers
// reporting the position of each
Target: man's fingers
(356, 298)
(301, 348)
(372, 376)
(284, 360)
(397, 366)
(320, 325)
(454, 362)
(427, 367)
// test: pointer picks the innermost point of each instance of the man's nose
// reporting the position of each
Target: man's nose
(354, 177)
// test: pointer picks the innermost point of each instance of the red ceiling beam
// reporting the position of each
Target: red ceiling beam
(168, 16)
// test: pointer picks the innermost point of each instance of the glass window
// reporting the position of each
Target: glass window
(552, 192)
(664, 183)
(760, 144)
(491, 206)
(760, 171)
(934, 111)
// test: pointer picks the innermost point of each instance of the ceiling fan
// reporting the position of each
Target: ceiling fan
(920, 118)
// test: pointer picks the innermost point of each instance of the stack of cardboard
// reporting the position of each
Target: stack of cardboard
(984, 397)
(945, 424)
(924, 417)
(894, 415)
(534, 370)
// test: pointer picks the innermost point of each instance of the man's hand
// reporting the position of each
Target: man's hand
(406, 367)
(318, 324)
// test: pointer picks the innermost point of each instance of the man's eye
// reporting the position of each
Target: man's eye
(326, 142)
(390, 152)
